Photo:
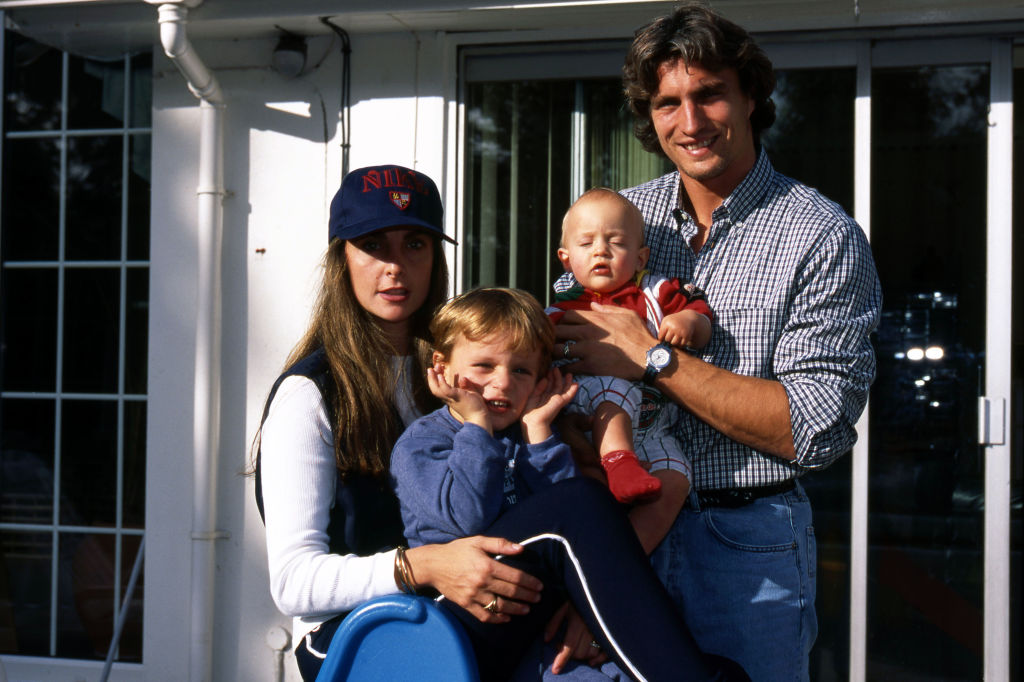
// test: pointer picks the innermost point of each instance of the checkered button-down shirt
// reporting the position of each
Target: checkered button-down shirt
(793, 287)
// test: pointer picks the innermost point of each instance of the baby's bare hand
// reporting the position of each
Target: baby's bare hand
(685, 329)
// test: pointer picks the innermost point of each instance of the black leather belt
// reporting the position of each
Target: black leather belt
(732, 498)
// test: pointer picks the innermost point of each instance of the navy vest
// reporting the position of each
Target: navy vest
(365, 518)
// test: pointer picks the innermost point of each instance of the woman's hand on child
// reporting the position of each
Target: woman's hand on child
(466, 405)
(551, 394)
(466, 572)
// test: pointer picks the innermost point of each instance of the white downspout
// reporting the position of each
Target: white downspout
(173, 18)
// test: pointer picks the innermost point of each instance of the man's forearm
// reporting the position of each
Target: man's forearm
(749, 410)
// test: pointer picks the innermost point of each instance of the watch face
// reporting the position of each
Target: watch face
(660, 357)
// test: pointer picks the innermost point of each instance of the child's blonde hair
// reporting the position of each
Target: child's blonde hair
(479, 313)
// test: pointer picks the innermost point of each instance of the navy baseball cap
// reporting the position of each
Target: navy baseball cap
(378, 197)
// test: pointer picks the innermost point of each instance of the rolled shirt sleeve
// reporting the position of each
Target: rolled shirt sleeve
(824, 357)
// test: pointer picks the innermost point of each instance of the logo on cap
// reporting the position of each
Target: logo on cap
(399, 199)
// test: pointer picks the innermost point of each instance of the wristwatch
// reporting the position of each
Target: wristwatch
(658, 358)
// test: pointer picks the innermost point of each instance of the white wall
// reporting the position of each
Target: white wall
(281, 173)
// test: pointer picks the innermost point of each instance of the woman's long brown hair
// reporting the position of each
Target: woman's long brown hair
(361, 400)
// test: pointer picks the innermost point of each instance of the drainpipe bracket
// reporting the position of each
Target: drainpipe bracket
(216, 191)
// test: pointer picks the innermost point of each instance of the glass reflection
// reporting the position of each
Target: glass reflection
(95, 93)
(91, 326)
(517, 179)
(812, 141)
(140, 106)
(519, 172)
(31, 205)
(88, 469)
(86, 597)
(136, 331)
(25, 568)
(926, 488)
(812, 137)
(93, 213)
(133, 505)
(28, 329)
(138, 197)
(31, 84)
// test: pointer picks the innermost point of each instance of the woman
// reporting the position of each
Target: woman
(354, 380)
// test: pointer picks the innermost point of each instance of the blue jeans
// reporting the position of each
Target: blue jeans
(744, 580)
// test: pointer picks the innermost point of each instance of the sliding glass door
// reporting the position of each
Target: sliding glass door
(915, 530)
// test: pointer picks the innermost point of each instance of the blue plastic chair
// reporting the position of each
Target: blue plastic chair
(400, 637)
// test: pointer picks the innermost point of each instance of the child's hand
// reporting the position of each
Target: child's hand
(465, 404)
(549, 397)
(685, 329)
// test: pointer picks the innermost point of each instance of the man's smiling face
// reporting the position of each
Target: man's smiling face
(702, 119)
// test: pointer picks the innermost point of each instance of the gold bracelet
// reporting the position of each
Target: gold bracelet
(403, 572)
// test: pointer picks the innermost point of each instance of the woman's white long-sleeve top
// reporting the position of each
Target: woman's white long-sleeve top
(298, 479)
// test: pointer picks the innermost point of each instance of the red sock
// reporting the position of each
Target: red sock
(627, 480)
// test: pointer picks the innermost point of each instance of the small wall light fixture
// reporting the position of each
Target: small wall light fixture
(289, 56)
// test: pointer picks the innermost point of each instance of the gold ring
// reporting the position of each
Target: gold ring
(493, 606)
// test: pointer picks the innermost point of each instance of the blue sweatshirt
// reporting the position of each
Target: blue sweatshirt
(454, 479)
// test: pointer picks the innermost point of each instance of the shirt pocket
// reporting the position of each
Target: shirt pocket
(743, 340)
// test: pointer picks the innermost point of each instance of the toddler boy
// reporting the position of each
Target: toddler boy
(458, 468)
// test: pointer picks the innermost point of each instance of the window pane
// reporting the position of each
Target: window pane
(138, 197)
(812, 141)
(88, 468)
(25, 565)
(85, 617)
(93, 218)
(812, 137)
(517, 182)
(31, 205)
(26, 461)
(926, 490)
(85, 597)
(28, 320)
(91, 326)
(130, 648)
(95, 93)
(31, 85)
(520, 165)
(142, 91)
(615, 158)
(136, 331)
(134, 506)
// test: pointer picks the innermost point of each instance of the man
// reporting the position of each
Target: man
(778, 390)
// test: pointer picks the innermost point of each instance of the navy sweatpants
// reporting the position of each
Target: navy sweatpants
(580, 544)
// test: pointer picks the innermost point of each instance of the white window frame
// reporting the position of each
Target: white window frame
(52, 667)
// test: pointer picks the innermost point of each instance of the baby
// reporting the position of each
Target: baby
(603, 247)
(457, 469)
